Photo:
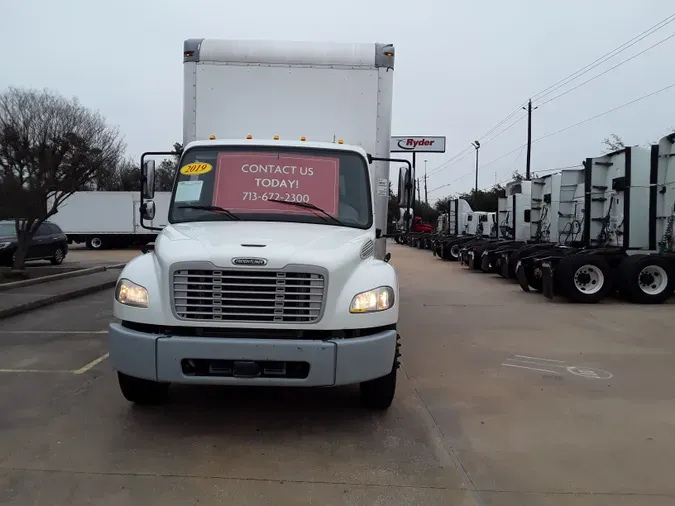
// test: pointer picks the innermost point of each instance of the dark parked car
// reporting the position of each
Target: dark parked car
(48, 243)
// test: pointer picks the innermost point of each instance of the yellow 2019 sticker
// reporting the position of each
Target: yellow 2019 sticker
(195, 169)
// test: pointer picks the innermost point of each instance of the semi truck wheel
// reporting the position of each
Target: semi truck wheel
(646, 279)
(584, 278)
(141, 391)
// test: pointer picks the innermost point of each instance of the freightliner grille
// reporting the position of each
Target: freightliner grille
(238, 295)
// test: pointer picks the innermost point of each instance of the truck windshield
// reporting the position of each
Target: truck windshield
(221, 184)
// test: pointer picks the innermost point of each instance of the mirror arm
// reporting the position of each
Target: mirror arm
(409, 184)
(142, 206)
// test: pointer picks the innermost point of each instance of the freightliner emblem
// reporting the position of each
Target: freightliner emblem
(249, 261)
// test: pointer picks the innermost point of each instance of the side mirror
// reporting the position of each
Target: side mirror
(148, 210)
(387, 257)
(378, 233)
(148, 180)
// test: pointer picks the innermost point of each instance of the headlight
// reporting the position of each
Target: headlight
(4, 244)
(131, 294)
(377, 299)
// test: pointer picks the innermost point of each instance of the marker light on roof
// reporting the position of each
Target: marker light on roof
(249, 136)
(276, 137)
(303, 138)
(212, 137)
(340, 141)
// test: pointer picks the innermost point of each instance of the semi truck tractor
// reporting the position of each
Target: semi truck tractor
(272, 269)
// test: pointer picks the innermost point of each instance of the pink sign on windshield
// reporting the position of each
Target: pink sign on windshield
(246, 182)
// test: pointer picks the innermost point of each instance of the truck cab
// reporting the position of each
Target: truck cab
(272, 269)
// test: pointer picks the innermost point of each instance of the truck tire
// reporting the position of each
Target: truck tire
(378, 394)
(586, 279)
(141, 391)
(646, 279)
(95, 243)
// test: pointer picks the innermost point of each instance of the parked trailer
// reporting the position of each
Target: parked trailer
(625, 192)
(102, 219)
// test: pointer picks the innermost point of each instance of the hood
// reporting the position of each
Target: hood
(277, 242)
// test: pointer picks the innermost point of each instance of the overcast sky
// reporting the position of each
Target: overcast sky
(461, 67)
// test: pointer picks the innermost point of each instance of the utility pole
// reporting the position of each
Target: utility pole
(529, 138)
(418, 190)
(476, 145)
(426, 195)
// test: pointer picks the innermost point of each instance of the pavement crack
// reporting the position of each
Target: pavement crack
(225, 478)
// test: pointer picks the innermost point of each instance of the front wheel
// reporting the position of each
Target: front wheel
(379, 393)
(142, 391)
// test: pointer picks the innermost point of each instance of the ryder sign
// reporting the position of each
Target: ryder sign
(417, 144)
(246, 182)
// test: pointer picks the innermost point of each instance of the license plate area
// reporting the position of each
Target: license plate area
(244, 368)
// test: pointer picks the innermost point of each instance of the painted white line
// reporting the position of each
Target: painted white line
(91, 364)
(531, 368)
(34, 371)
(53, 331)
(521, 361)
(544, 359)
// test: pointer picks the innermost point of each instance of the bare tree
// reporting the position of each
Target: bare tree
(613, 143)
(50, 147)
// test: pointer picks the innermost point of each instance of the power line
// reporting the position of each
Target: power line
(562, 130)
(467, 151)
(607, 56)
(454, 159)
(608, 70)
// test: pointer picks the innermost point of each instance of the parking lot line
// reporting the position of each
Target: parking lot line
(53, 331)
(35, 371)
(91, 364)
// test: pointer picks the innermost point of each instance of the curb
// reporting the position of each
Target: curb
(56, 277)
(53, 299)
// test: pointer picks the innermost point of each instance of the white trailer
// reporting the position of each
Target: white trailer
(273, 267)
(102, 219)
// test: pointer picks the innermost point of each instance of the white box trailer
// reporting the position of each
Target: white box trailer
(107, 219)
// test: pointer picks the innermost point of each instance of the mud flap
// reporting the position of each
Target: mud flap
(485, 262)
(547, 280)
(505, 265)
(522, 277)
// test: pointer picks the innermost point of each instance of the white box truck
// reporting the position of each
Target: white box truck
(273, 268)
(109, 219)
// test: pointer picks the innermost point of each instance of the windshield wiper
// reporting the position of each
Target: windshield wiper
(307, 205)
(215, 209)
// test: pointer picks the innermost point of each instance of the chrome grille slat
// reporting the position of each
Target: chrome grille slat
(246, 295)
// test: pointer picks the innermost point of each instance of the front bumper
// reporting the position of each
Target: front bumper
(324, 362)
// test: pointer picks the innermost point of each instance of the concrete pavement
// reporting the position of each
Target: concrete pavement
(504, 399)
